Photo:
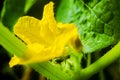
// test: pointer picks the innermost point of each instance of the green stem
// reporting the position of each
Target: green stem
(52, 72)
(15, 46)
(12, 44)
(88, 59)
(101, 63)
(101, 75)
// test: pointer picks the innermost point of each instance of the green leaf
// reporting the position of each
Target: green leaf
(13, 9)
(97, 21)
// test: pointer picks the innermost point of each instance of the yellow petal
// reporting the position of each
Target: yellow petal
(14, 61)
(48, 23)
(34, 54)
(28, 29)
(48, 17)
(31, 55)
(45, 38)
(68, 32)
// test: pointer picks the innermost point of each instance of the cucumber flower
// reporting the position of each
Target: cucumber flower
(45, 39)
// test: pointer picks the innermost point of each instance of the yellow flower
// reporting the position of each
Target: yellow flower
(45, 38)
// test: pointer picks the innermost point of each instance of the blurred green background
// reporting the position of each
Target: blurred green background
(98, 22)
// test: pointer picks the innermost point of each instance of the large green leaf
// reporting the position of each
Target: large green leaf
(13, 9)
(97, 20)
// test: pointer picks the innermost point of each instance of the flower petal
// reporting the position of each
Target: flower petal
(32, 54)
(48, 18)
(68, 32)
(48, 23)
(28, 29)
(45, 38)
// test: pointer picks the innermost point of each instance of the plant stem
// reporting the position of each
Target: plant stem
(101, 63)
(52, 72)
(88, 59)
(101, 75)
(26, 74)
(12, 44)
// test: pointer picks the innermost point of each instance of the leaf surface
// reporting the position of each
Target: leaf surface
(97, 20)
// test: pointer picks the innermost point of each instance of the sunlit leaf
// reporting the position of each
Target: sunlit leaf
(97, 20)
